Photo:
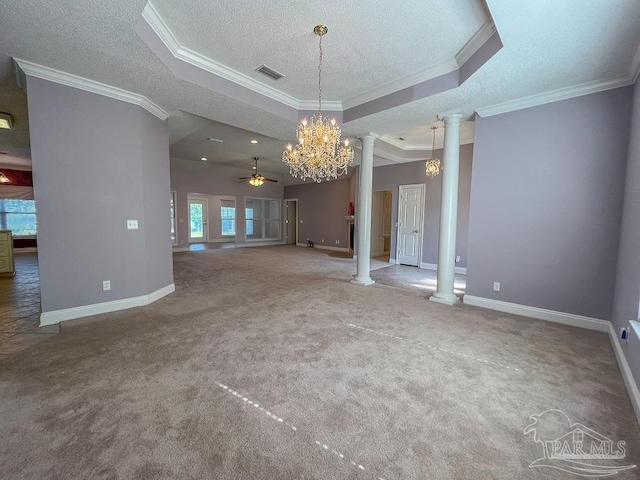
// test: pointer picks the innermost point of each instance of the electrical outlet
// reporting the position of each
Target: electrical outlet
(337, 242)
(624, 334)
(323, 240)
(132, 224)
(106, 285)
(457, 258)
(496, 286)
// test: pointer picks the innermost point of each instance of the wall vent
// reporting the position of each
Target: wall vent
(269, 72)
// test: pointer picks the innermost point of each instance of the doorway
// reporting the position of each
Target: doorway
(381, 224)
(198, 214)
(291, 236)
(410, 224)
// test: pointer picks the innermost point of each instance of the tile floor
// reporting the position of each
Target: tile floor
(416, 279)
(20, 307)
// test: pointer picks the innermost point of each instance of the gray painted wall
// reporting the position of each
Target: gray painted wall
(94, 168)
(390, 177)
(321, 211)
(546, 200)
(155, 183)
(188, 176)
(627, 291)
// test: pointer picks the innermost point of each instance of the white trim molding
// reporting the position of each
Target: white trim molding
(434, 266)
(257, 243)
(625, 370)
(407, 81)
(539, 313)
(478, 40)
(324, 247)
(23, 67)
(184, 54)
(57, 316)
(555, 96)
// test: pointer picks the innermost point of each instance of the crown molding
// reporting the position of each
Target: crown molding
(555, 96)
(23, 67)
(416, 147)
(408, 81)
(161, 29)
(333, 106)
(477, 41)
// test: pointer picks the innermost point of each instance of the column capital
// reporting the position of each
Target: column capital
(451, 117)
(370, 136)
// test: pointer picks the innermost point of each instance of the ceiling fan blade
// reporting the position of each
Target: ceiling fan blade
(244, 178)
(270, 180)
(242, 181)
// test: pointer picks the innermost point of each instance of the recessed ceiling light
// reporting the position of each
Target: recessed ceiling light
(204, 159)
(254, 141)
(6, 121)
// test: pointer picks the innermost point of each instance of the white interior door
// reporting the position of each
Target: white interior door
(410, 219)
(198, 215)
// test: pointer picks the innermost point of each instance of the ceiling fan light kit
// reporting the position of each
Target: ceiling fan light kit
(318, 154)
(256, 179)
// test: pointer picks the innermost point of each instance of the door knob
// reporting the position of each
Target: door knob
(416, 231)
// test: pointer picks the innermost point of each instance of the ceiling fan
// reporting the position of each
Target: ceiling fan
(256, 179)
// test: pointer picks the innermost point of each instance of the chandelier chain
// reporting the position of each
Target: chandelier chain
(320, 79)
(318, 154)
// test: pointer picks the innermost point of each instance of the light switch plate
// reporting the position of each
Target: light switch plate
(132, 224)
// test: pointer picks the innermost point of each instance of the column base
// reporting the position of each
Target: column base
(363, 281)
(444, 298)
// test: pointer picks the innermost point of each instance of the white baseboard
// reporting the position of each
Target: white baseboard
(539, 313)
(378, 254)
(434, 266)
(324, 247)
(57, 316)
(393, 261)
(333, 249)
(260, 244)
(625, 370)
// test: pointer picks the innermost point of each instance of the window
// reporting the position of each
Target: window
(19, 216)
(172, 206)
(249, 219)
(228, 216)
(262, 218)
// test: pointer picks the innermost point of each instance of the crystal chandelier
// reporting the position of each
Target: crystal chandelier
(318, 154)
(433, 164)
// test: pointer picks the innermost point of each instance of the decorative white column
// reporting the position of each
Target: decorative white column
(448, 211)
(363, 214)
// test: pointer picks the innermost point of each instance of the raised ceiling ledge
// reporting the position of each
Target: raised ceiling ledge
(195, 68)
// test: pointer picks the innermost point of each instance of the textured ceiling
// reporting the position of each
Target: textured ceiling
(368, 44)
(549, 46)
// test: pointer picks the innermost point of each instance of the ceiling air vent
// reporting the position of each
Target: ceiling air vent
(269, 72)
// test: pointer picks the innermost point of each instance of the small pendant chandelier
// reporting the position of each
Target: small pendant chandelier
(318, 154)
(433, 166)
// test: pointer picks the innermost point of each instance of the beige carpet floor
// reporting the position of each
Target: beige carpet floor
(266, 363)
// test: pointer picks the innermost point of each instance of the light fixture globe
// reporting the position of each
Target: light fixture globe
(433, 165)
(318, 154)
